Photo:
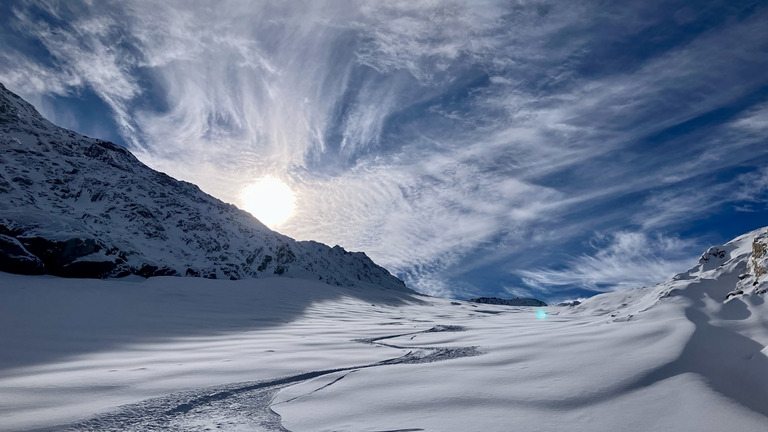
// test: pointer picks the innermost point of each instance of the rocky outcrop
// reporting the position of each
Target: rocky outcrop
(14, 258)
(509, 302)
(753, 281)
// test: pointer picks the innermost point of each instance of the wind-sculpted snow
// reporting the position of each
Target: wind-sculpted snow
(75, 206)
(277, 354)
(195, 354)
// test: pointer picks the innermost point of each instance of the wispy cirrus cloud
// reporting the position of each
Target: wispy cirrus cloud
(85, 54)
(619, 261)
(446, 139)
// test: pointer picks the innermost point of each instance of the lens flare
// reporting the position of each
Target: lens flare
(541, 314)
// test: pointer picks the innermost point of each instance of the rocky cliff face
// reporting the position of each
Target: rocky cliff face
(75, 206)
(753, 280)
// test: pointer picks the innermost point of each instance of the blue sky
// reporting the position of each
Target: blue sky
(509, 148)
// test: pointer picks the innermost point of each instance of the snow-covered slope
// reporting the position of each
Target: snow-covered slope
(278, 354)
(725, 277)
(80, 207)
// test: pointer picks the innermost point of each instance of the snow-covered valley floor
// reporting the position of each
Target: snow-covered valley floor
(289, 354)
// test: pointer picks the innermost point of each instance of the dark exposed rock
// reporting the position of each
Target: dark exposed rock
(569, 303)
(148, 270)
(264, 263)
(14, 258)
(509, 302)
(86, 269)
(58, 254)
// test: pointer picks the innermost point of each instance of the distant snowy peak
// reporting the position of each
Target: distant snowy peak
(736, 271)
(75, 206)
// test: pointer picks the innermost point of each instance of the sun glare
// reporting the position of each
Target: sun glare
(270, 200)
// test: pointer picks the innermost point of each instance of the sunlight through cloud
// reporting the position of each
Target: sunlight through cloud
(270, 200)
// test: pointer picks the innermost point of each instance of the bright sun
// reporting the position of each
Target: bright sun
(269, 199)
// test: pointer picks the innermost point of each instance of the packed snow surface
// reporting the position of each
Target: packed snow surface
(289, 354)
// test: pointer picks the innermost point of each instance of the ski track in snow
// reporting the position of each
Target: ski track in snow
(246, 406)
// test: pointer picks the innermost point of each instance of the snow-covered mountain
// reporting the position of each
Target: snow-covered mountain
(727, 276)
(689, 354)
(75, 206)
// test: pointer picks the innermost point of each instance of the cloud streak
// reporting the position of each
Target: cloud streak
(623, 260)
(448, 140)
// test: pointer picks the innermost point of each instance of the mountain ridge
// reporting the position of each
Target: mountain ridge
(728, 276)
(76, 206)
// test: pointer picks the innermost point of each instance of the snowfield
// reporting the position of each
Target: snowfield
(288, 354)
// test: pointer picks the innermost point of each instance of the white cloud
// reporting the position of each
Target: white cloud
(428, 214)
(697, 200)
(752, 187)
(304, 91)
(755, 121)
(34, 79)
(86, 56)
(630, 259)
